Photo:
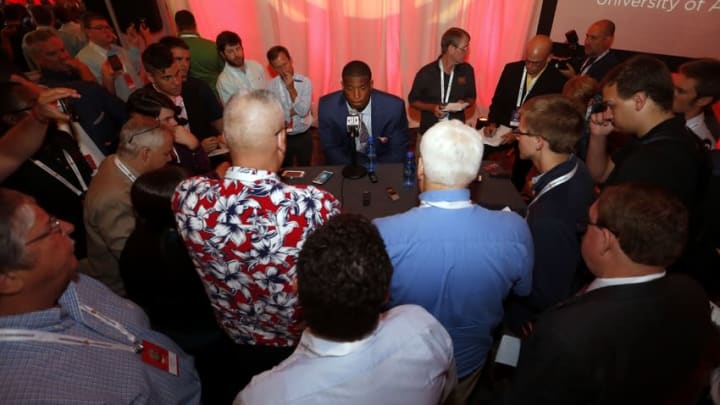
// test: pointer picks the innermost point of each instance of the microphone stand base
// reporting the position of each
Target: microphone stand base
(353, 172)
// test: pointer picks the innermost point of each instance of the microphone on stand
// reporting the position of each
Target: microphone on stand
(353, 170)
(353, 124)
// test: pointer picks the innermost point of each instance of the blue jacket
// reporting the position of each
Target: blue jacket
(389, 119)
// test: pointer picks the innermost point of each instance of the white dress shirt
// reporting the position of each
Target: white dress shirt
(408, 359)
(608, 282)
(233, 79)
(94, 56)
(699, 128)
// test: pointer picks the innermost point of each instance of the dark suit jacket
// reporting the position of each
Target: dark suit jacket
(506, 91)
(599, 69)
(389, 119)
(628, 344)
(100, 113)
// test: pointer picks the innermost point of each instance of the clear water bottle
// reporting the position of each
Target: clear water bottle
(409, 171)
(371, 155)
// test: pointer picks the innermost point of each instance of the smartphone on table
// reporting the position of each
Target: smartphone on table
(323, 177)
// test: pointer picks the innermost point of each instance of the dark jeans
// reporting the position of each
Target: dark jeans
(299, 149)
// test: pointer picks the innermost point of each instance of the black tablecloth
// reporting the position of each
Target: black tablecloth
(491, 192)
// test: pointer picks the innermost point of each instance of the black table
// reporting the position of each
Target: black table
(491, 192)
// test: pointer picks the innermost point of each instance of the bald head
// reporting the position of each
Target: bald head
(537, 54)
(253, 124)
(607, 27)
(599, 37)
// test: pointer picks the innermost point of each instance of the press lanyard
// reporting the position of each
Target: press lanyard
(124, 170)
(551, 185)
(19, 335)
(587, 65)
(445, 97)
(522, 94)
(63, 180)
(446, 205)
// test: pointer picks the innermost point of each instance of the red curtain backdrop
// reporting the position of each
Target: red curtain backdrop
(395, 37)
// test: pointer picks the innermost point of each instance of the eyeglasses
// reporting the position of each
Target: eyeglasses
(55, 227)
(143, 131)
(464, 48)
(101, 28)
(518, 131)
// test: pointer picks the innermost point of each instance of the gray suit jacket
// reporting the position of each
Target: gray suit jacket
(109, 221)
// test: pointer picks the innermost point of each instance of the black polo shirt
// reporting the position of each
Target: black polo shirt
(426, 88)
(667, 156)
(202, 107)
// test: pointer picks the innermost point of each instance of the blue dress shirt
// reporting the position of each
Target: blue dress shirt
(459, 264)
(54, 373)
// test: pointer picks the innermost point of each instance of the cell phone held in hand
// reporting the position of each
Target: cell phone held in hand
(115, 63)
(323, 177)
(66, 105)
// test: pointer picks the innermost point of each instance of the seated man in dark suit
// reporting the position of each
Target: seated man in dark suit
(521, 81)
(382, 115)
(635, 335)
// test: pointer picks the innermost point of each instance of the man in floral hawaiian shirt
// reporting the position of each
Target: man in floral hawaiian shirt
(244, 232)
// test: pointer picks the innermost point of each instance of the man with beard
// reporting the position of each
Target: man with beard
(238, 73)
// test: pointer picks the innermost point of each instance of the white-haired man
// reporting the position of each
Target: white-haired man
(145, 145)
(244, 233)
(454, 258)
